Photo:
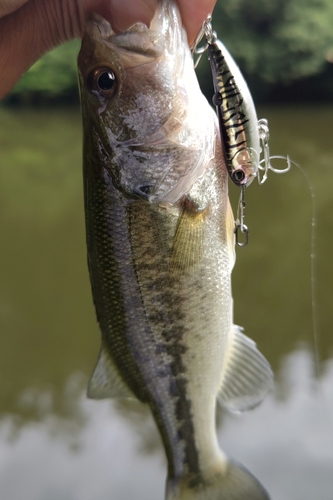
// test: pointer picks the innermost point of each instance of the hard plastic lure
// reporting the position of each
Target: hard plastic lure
(235, 109)
(241, 132)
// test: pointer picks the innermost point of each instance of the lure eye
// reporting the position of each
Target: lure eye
(238, 176)
(217, 99)
(103, 81)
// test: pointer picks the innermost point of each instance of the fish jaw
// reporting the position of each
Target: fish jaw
(156, 108)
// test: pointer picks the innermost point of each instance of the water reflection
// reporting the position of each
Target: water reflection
(107, 450)
(62, 446)
(287, 442)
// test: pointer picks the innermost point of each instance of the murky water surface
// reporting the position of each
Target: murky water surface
(57, 445)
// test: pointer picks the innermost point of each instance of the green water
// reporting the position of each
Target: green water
(50, 341)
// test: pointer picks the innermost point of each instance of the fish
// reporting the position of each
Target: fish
(160, 245)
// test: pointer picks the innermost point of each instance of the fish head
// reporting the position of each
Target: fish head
(138, 90)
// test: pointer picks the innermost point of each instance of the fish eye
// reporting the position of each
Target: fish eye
(103, 81)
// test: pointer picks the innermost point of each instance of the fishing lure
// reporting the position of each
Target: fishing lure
(235, 109)
(244, 136)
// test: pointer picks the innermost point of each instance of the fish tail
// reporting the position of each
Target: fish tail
(234, 482)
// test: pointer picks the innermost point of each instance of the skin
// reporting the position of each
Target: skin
(29, 28)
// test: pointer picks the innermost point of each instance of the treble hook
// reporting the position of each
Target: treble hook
(264, 137)
(239, 223)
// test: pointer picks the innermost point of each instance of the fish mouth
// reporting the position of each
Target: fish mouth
(164, 34)
(138, 39)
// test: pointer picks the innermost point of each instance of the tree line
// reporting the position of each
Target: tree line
(283, 47)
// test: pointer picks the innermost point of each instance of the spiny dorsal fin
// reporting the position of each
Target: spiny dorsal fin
(246, 377)
(105, 381)
(188, 242)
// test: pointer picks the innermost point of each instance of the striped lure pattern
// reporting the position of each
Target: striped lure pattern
(236, 114)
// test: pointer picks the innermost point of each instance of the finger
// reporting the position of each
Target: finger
(32, 30)
(9, 6)
(126, 13)
(194, 12)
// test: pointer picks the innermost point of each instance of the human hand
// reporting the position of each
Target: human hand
(29, 28)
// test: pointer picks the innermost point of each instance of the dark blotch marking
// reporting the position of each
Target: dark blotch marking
(150, 240)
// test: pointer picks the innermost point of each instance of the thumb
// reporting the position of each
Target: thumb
(125, 14)
(9, 6)
(34, 28)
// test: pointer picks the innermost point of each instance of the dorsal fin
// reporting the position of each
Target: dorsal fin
(106, 381)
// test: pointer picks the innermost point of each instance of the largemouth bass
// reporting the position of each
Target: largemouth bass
(161, 249)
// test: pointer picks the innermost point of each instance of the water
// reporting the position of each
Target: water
(57, 445)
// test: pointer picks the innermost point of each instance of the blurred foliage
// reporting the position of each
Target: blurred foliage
(278, 40)
(280, 45)
(53, 77)
(54, 73)
(283, 47)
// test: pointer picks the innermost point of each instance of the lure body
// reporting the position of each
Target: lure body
(237, 115)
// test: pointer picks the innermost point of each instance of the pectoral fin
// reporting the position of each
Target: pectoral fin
(188, 244)
(105, 381)
(246, 377)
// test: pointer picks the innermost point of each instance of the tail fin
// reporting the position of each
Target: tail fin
(235, 483)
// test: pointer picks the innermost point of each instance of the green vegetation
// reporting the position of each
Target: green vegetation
(53, 77)
(278, 40)
(54, 73)
(284, 48)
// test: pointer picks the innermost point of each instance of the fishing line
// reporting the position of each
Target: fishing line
(313, 255)
(265, 165)
(314, 294)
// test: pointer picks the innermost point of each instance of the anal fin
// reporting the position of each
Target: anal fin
(106, 382)
(247, 375)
